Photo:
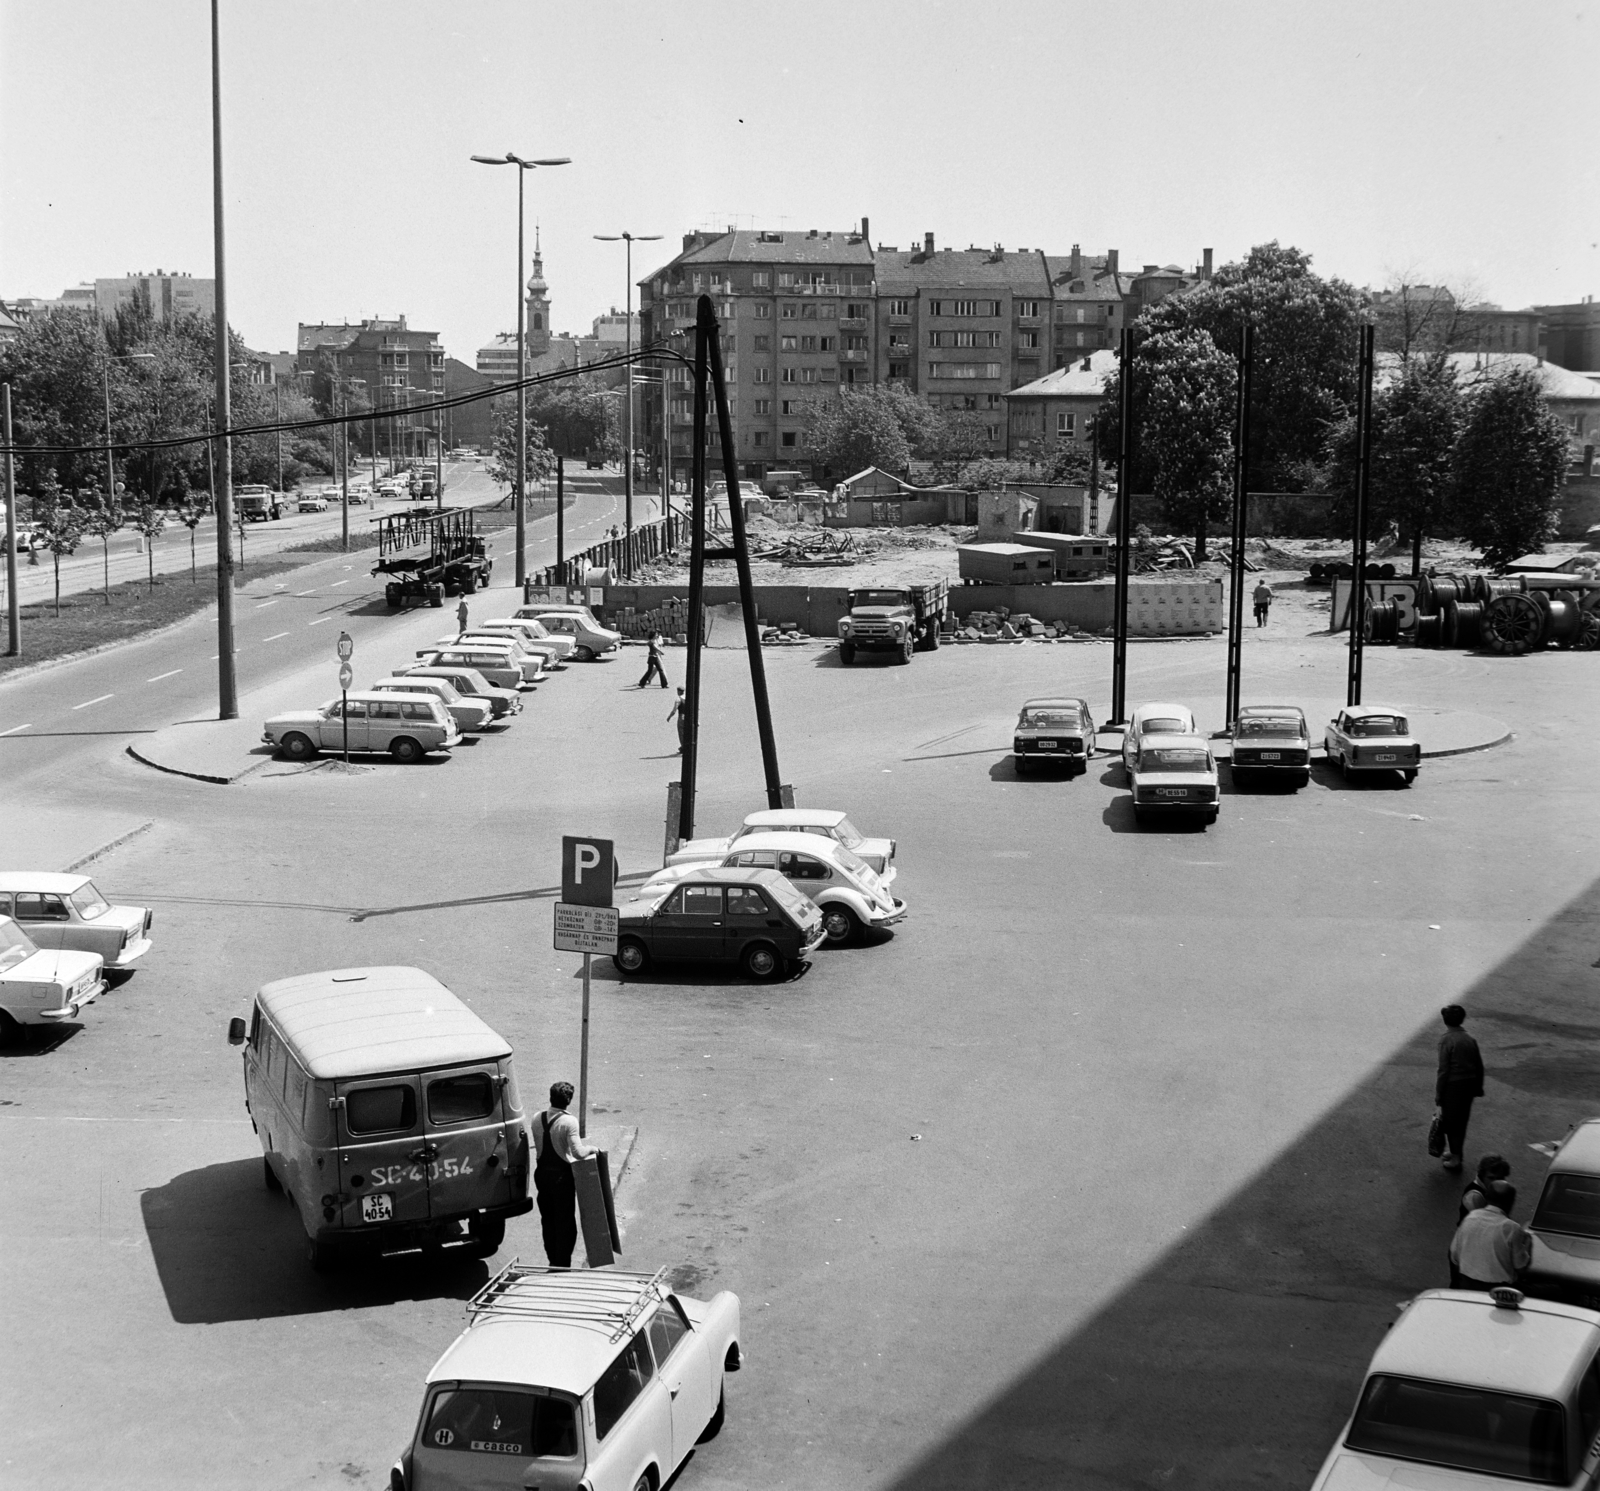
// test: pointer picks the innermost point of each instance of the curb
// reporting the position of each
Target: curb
(617, 1160)
(1487, 745)
(201, 776)
(116, 843)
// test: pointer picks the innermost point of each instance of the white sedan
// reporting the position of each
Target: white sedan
(1154, 719)
(311, 502)
(1174, 774)
(41, 986)
(1372, 737)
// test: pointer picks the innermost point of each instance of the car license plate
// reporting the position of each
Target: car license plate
(1172, 791)
(1390, 756)
(1272, 755)
(1047, 745)
(377, 1207)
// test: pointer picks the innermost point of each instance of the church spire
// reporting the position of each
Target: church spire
(538, 304)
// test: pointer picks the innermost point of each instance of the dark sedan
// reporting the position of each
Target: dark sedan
(1058, 731)
(1271, 742)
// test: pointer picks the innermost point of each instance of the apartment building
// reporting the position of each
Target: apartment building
(962, 326)
(399, 366)
(1057, 411)
(1089, 303)
(796, 313)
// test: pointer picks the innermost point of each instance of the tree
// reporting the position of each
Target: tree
(102, 520)
(960, 437)
(189, 515)
(150, 522)
(502, 464)
(857, 430)
(62, 535)
(1073, 465)
(1416, 422)
(576, 418)
(1187, 429)
(1509, 461)
(990, 473)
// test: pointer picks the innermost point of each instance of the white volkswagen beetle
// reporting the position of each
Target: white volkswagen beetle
(824, 822)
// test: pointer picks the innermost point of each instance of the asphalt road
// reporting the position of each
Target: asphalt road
(1106, 1170)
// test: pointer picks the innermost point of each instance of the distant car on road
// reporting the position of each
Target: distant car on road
(574, 1378)
(470, 684)
(311, 502)
(1271, 741)
(42, 986)
(1154, 719)
(67, 911)
(29, 537)
(405, 726)
(1173, 775)
(828, 823)
(1057, 731)
(845, 888)
(1372, 738)
(1471, 1390)
(469, 714)
(754, 918)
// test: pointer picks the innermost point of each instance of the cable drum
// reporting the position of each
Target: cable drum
(1462, 624)
(1480, 589)
(1382, 622)
(1514, 624)
(1564, 625)
(1386, 572)
(1447, 588)
(1493, 589)
(1429, 631)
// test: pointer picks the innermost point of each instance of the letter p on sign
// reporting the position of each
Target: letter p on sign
(588, 871)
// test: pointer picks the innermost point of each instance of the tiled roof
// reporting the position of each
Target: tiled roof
(1073, 380)
(788, 247)
(962, 269)
(1558, 382)
(1097, 283)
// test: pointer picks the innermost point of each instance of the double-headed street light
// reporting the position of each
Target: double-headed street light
(523, 167)
(627, 419)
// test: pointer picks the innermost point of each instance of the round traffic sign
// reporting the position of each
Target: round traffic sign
(346, 677)
(346, 647)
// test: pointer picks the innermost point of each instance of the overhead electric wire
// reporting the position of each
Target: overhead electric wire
(392, 411)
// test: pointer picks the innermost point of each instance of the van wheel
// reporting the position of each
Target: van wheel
(320, 1254)
(714, 1423)
(630, 956)
(487, 1234)
(839, 924)
(404, 748)
(582, 655)
(298, 747)
(762, 961)
(270, 1176)
(10, 1031)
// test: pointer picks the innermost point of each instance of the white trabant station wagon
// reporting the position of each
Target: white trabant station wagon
(568, 1379)
(1470, 1391)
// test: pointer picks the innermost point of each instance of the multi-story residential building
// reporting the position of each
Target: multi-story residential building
(399, 367)
(1572, 334)
(169, 295)
(1089, 303)
(962, 326)
(796, 314)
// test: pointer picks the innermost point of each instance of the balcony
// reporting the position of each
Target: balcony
(852, 323)
(853, 355)
(898, 320)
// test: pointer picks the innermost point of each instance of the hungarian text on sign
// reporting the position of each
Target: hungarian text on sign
(585, 929)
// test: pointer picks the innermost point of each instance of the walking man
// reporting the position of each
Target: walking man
(1459, 1081)
(1262, 595)
(555, 1136)
(461, 616)
(680, 712)
(1489, 1249)
(654, 668)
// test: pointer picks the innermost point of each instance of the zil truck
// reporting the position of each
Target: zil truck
(895, 619)
(430, 553)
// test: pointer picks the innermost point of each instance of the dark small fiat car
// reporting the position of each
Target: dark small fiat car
(1271, 743)
(754, 918)
(1053, 730)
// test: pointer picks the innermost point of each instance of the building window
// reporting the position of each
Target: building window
(1027, 307)
(899, 369)
(785, 279)
(758, 437)
(993, 431)
(1027, 339)
(763, 406)
(808, 311)
(992, 400)
(786, 344)
(827, 375)
(1080, 339)
(964, 307)
(789, 311)
(761, 375)
(761, 279)
(856, 308)
(763, 311)
(790, 439)
(899, 307)
(855, 375)
(808, 375)
(807, 344)
(789, 406)
(1082, 315)
(827, 311)
(963, 370)
(788, 375)
(763, 344)
(828, 344)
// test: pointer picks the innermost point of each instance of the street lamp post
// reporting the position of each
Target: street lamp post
(627, 418)
(523, 167)
(222, 487)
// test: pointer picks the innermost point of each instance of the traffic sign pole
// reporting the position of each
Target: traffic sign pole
(583, 1059)
(346, 650)
(586, 922)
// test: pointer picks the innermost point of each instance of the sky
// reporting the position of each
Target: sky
(1450, 143)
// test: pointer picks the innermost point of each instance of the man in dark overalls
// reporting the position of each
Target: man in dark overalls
(556, 1138)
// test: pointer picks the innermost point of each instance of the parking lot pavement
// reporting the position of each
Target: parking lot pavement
(1115, 1122)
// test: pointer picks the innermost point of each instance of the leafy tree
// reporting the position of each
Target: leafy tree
(150, 522)
(857, 430)
(101, 521)
(1416, 422)
(1509, 461)
(190, 515)
(920, 421)
(960, 438)
(62, 535)
(1073, 465)
(1187, 429)
(991, 473)
(502, 464)
(576, 418)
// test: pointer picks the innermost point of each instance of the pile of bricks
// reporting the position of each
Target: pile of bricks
(670, 618)
(1013, 626)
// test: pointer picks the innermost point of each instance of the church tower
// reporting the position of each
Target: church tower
(538, 312)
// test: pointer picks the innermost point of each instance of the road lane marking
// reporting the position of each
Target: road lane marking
(101, 700)
(13, 730)
(264, 604)
(160, 676)
(274, 637)
(319, 621)
(338, 582)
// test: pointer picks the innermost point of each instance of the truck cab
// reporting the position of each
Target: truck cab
(895, 619)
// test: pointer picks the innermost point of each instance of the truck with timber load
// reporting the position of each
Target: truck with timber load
(900, 619)
(429, 553)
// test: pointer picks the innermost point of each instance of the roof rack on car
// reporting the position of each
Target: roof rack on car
(611, 1299)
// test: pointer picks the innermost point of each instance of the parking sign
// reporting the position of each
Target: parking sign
(588, 871)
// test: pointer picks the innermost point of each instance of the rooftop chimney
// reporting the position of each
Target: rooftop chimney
(1205, 264)
(1075, 263)
(927, 243)
(866, 235)
(1111, 261)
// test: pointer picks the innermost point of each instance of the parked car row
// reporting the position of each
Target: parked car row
(1170, 767)
(60, 939)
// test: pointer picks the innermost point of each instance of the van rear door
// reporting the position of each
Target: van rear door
(471, 1143)
(382, 1151)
